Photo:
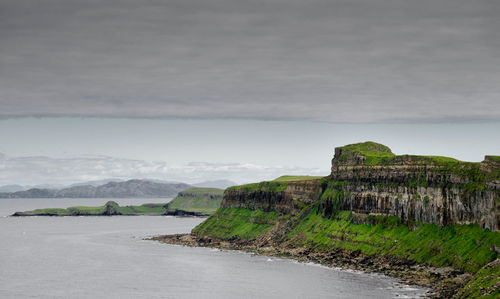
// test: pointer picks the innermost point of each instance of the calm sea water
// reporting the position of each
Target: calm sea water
(106, 257)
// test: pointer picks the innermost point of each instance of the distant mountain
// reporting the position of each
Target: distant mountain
(95, 183)
(221, 184)
(131, 188)
(12, 188)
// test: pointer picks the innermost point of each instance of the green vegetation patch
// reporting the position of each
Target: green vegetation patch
(145, 209)
(375, 153)
(202, 191)
(276, 185)
(466, 247)
(81, 210)
(271, 186)
(49, 211)
(241, 223)
(292, 178)
(485, 283)
(200, 200)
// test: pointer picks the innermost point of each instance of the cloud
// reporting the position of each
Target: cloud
(64, 171)
(336, 61)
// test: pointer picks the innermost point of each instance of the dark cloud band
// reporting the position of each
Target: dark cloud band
(336, 61)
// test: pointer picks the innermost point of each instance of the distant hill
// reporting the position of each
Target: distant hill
(130, 188)
(94, 183)
(12, 188)
(200, 200)
(220, 184)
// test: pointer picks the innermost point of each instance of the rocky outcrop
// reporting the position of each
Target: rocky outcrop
(289, 201)
(111, 209)
(421, 192)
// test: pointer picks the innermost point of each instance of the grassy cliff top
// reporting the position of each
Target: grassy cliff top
(203, 191)
(201, 200)
(375, 154)
(372, 153)
(277, 185)
(292, 178)
(369, 153)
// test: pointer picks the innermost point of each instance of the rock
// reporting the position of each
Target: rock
(111, 208)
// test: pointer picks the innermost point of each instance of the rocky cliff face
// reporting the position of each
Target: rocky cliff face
(416, 189)
(369, 179)
(290, 200)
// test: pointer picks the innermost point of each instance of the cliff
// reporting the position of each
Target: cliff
(426, 189)
(368, 179)
(276, 196)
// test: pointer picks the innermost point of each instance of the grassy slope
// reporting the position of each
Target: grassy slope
(227, 223)
(465, 247)
(201, 200)
(487, 279)
(276, 185)
(291, 178)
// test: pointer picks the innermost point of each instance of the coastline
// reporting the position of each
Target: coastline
(441, 282)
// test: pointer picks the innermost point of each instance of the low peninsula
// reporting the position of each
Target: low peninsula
(429, 220)
(191, 202)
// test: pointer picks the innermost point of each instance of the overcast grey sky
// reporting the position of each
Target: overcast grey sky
(68, 150)
(240, 89)
(330, 60)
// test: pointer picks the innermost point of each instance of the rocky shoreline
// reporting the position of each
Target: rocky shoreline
(442, 282)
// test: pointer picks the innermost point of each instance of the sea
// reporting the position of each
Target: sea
(108, 257)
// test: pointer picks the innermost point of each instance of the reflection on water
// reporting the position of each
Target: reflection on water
(105, 257)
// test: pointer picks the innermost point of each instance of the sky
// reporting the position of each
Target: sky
(192, 90)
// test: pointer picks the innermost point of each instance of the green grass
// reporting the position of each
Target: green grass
(271, 186)
(49, 211)
(466, 247)
(200, 200)
(145, 209)
(81, 210)
(291, 178)
(486, 280)
(202, 191)
(375, 153)
(241, 223)
(276, 185)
